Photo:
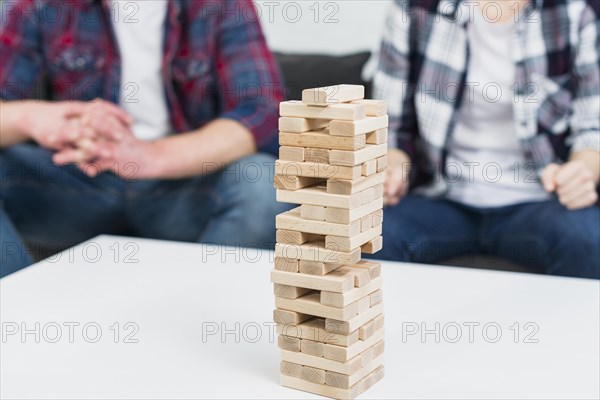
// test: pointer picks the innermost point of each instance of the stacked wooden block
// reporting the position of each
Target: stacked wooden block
(329, 309)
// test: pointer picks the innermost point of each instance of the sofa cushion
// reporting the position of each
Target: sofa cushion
(303, 71)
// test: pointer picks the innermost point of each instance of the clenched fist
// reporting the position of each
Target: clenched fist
(573, 182)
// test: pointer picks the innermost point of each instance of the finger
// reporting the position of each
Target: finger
(548, 177)
(74, 130)
(568, 172)
(88, 169)
(92, 148)
(70, 156)
(395, 185)
(573, 185)
(93, 169)
(583, 190)
(107, 107)
(584, 201)
(109, 128)
(119, 113)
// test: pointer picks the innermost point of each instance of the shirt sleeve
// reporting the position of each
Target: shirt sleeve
(585, 121)
(21, 55)
(248, 74)
(391, 82)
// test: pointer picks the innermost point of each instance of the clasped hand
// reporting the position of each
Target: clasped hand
(95, 136)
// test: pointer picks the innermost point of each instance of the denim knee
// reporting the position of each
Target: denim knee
(256, 196)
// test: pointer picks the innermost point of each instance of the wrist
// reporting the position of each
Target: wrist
(19, 116)
(157, 162)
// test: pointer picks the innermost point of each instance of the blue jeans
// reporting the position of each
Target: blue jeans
(543, 236)
(60, 206)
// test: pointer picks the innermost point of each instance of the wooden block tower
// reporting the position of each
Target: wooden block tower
(329, 308)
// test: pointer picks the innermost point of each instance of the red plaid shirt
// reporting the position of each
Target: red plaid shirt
(216, 63)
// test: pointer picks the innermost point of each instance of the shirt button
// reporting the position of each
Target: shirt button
(80, 62)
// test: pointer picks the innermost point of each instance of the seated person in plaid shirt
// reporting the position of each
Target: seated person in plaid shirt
(495, 109)
(157, 111)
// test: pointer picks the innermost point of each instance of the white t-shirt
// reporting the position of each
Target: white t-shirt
(486, 165)
(139, 29)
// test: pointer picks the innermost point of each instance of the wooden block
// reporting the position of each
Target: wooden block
(317, 195)
(289, 292)
(322, 140)
(291, 369)
(343, 299)
(366, 223)
(376, 298)
(377, 217)
(332, 282)
(288, 343)
(316, 155)
(316, 170)
(343, 354)
(291, 153)
(292, 221)
(284, 264)
(345, 327)
(312, 374)
(373, 108)
(345, 216)
(314, 329)
(382, 163)
(378, 190)
(347, 368)
(369, 168)
(347, 244)
(379, 321)
(328, 95)
(312, 347)
(364, 304)
(310, 304)
(295, 237)
(334, 111)
(374, 268)
(378, 349)
(289, 317)
(372, 246)
(351, 158)
(347, 187)
(289, 182)
(357, 127)
(361, 276)
(367, 355)
(300, 125)
(370, 195)
(379, 136)
(317, 267)
(342, 381)
(366, 331)
(333, 392)
(317, 251)
(313, 213)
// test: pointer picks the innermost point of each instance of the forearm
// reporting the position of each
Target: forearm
(12, 127)
(591, 159)
(202, 151)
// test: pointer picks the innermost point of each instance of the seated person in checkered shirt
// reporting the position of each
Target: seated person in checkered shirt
(157, 113)
(495, 112)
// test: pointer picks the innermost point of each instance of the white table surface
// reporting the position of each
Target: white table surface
(176, 290)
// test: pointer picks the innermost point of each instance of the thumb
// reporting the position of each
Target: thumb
(548, 177)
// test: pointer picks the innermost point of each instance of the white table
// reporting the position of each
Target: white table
(175, 292)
